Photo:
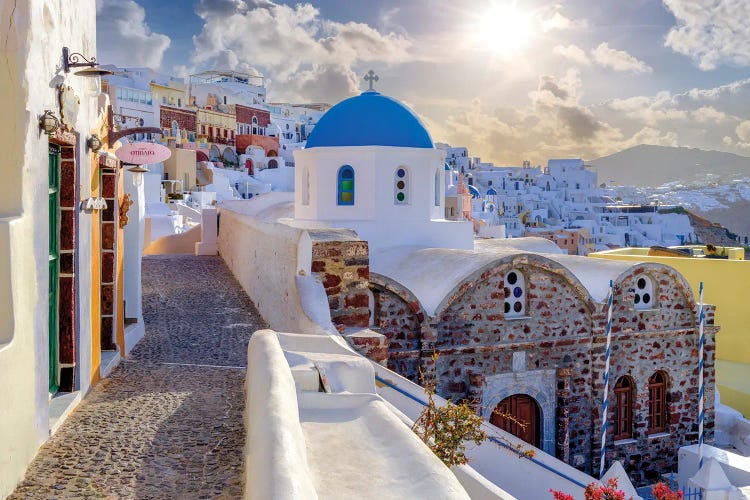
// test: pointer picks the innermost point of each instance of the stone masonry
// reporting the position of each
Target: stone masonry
(168, 422)
(555, 354)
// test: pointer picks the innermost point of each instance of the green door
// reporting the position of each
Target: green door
(54, 254)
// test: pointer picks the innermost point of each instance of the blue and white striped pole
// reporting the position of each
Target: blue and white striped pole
(606, 378)
(701, 341)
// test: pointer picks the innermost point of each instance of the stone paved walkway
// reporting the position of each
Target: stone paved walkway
(168, 422)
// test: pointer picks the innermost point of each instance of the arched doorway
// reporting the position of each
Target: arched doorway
(525, 410)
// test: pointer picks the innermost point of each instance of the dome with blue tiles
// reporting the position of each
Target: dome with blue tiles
(369, 119)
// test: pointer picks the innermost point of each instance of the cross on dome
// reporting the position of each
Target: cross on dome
(371, 77)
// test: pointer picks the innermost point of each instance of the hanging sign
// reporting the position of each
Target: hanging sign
(142, 153)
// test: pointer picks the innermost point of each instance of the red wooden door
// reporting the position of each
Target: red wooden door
(525, 410)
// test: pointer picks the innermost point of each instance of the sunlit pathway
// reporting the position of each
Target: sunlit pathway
(168, 422)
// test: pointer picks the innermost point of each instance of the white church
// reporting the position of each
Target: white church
(370, 165)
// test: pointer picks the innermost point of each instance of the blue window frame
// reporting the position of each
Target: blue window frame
(345, 192)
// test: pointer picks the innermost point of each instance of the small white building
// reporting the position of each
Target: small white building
(370, 165)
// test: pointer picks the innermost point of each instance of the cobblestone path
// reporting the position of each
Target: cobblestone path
(168, 422)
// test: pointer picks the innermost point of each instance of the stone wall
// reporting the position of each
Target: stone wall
(343, 267)
(555, 353)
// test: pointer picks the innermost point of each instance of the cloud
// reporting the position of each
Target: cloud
(557, 21)
(711, 32)
(124, 38)
(553, 122)
(743, 131)
(295, 47)
(618, 60)
(574, 53)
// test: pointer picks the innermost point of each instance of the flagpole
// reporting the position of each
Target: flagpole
(606, 379)
(701, 390)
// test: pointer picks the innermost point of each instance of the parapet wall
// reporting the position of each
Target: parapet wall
(263, 256)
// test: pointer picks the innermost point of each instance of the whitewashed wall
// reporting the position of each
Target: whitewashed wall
(34, 33)
(266, 258)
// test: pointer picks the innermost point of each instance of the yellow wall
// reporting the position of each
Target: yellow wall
(172, 94)
(180, 163)
(727, 286)
(96, 281)
(216, 119)
(119, 292)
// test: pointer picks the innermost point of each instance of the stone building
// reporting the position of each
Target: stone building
(518, 326)
(524, 332)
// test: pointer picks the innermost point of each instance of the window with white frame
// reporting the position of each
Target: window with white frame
(515, 294)
(644, 293)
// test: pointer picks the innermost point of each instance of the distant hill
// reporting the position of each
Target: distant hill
(647, 165)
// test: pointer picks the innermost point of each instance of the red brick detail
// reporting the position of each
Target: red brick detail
(108, 235)
(245, 115)
(108, 333)
(186, 119)
(68, 183)
(109, 186)
(67, 265)
(66, 320)
(108, 299)
(67, 229)
(108, 267)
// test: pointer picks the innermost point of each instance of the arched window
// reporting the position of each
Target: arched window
(345, 191)
(273, 164)
(515, 294)
(437, 187)
(305, 186)
(657, 403)
(624, 390)
(401, 186)
(644, 293)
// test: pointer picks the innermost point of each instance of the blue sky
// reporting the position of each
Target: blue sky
(512, 80)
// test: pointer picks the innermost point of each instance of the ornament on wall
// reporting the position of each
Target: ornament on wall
(69, 106)
(125, 204)
(91, 204)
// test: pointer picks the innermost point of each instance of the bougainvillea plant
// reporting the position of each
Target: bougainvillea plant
(610, 492)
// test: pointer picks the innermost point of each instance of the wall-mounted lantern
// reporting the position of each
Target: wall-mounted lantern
(73, 61)
(94, 143)
(48, 122)
(138, 172)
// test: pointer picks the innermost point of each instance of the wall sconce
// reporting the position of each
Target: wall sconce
(138, 172)
(94, 143)
(73, 61)
(48, 122)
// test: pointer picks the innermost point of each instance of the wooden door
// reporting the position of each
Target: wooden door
(525, 410)
(54, 270)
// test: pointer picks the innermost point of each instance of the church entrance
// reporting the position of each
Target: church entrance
(525, 410)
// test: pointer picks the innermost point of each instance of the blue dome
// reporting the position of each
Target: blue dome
(474, 192)
(491, 192)
(369, 119)
(447, 168)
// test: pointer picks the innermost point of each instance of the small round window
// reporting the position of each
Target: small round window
(644, 293)
(515, 294)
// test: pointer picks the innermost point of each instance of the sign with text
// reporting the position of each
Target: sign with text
(142, 153)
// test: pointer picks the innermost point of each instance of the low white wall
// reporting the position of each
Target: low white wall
(182, 243)
(735, 466)
(263, 256)
(275, 455)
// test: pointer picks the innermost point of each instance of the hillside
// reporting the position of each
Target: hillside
(647, 165)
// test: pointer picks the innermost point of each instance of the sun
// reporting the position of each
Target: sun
(504, 29)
